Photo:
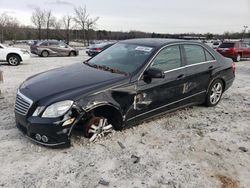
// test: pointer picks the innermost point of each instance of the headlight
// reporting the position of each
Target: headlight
(55, 110)
(25, 51)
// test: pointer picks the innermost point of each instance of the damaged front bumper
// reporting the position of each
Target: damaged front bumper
(48, 131)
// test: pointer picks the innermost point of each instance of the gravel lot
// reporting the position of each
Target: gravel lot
(195, 147)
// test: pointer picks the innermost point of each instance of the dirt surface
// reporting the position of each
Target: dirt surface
(195, 147)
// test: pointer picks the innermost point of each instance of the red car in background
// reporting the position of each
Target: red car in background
(234, 50)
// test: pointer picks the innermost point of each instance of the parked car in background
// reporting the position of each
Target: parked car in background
(216, 44)
(53, 48)
(234, 50)
(14, 56)
(95, 49)
(131, 81)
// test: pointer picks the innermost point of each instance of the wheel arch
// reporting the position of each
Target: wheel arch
(108, 110)
(217, 78)
(74, 51)
(13, 53)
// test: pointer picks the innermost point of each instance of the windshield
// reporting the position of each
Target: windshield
(126, 58)
(2, 46)
(227, 45)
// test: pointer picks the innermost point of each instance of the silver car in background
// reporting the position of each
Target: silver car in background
(52, 48)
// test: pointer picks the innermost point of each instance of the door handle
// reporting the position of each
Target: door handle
(180, 76)
(211, 67)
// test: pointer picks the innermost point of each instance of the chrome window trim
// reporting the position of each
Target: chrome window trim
(166, 105)
(186, 66)
(178, 43)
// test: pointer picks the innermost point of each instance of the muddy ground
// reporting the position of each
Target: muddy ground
(195, 147)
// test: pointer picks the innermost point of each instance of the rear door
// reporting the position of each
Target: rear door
(199, 66)
(54, 47)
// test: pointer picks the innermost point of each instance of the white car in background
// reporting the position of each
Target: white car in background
(13, 55)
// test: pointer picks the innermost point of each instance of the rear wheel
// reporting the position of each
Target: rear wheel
(214, 93)
(45, 53)
(96, 128)
(72, 53)
(14, 60)
(238, 58)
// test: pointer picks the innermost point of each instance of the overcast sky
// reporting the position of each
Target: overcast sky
(162, 16)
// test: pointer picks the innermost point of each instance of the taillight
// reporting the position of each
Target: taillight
(232, 49)
(98, 49)
(234, 67)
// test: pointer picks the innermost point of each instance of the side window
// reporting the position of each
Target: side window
(209, 57)
(44, 44)
(194, 54)
(243, 45)
(168, 59)
(54, 43)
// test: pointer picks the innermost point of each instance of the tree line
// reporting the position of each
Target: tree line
(80, 26)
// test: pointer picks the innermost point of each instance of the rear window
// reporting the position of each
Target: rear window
(227, 45)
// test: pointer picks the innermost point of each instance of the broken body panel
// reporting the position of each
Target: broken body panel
(133, 97)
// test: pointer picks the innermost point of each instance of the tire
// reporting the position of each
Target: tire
(14, 60)
(96, 128)
(45, 53)
(214, 93)
(238, 58)
(72, 53)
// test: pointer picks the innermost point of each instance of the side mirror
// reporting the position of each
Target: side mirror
(154, 73)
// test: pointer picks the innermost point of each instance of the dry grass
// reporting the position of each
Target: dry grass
(227, 182)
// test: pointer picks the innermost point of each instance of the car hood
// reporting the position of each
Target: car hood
(12, 49)
(69, 82)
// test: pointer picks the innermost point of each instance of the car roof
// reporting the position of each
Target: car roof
(154, 42)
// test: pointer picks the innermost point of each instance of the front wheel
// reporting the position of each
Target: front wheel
(96, 128)
(45, 53)
(214, 93)
(72, 53)
(14, 60)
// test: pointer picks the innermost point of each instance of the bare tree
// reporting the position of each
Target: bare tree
(4, 19)
(90, 24)
(67, 26)
(50, 21)
(38, 19)
(80, 18)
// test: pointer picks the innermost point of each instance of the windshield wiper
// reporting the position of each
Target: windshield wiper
(113, 70)
(106, 68)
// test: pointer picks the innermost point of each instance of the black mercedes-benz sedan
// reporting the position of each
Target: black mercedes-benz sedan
(125, 84)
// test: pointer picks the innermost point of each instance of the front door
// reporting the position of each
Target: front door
(158, 95)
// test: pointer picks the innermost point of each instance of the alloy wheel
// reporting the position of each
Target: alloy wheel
(238, 58)
(97, 128)
(216, 93)
(13, 61)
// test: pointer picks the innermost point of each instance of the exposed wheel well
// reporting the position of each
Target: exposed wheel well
(111, 113)
(8, 56)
